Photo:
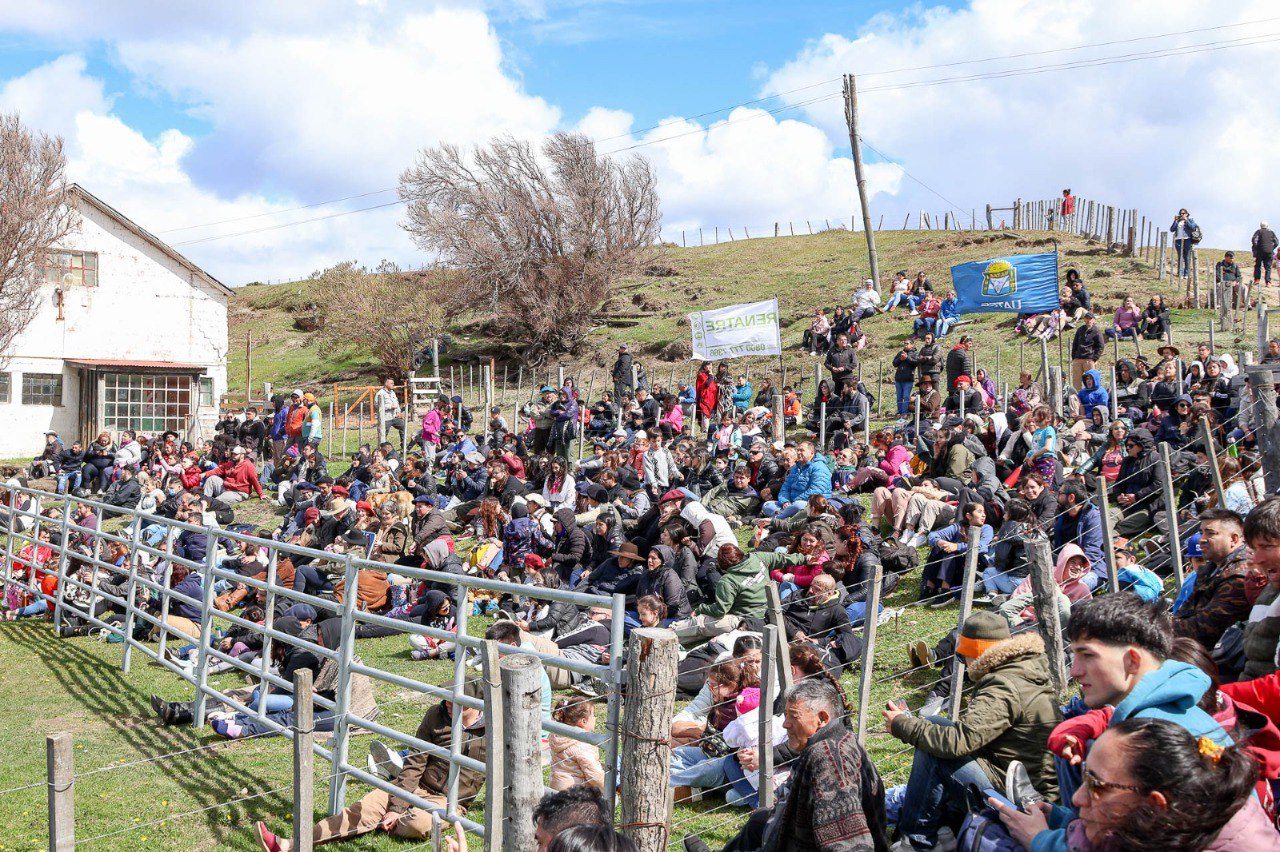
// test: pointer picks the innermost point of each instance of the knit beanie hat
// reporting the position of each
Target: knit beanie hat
(979, 632)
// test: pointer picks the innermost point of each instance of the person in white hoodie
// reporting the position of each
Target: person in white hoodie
(866, 302)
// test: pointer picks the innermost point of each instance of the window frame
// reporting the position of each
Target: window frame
(6, 387)
(30, 393)
(52, 267)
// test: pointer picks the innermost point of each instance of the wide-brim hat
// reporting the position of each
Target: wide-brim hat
(628, 551)
(1168, 347)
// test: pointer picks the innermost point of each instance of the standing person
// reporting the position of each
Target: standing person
(277, 434)
(387, 404)
(1068, 207)
(251, 433)
(1086, 348)
(295, 419)
(1264, 249)
(622, 373)
(959, 361)
(707, 392)
(313, 426)
(904, 370)
(1186, 233)
(929, 358)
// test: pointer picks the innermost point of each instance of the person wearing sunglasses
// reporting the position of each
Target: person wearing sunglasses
(1149, 784)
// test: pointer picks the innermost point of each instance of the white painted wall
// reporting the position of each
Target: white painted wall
(146, 307)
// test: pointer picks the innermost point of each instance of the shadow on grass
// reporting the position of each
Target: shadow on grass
(208, 777)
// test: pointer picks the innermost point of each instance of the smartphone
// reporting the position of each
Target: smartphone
(990, 793)
(899, 704)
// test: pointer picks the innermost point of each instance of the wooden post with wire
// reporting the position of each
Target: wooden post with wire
(851, 118)
(966, 606)
(652, 659)
(60, 757)
(303, 760)
(494, 746)
(248, 367)
(871, 620)
(522, 758)
(1045, 599)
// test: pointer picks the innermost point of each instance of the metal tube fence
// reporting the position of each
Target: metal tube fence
(147, 571)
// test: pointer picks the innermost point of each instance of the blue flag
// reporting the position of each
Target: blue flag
(1019, 284)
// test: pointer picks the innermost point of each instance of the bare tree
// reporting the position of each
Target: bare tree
(539, 239)
(385, 310)
(35, 214)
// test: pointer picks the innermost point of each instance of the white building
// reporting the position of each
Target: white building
(129, 335)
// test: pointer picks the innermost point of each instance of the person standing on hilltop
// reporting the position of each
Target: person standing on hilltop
(1186, 233)
(1068, 206)
(959, 361)
(1264, 250)
(623, 377)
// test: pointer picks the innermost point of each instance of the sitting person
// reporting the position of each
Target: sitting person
(1010, 714)
(1150, 784)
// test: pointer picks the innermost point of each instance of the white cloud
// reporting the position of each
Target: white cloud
(1155, 135)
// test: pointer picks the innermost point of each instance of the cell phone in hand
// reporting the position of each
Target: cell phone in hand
(899, 704)
(990, 793)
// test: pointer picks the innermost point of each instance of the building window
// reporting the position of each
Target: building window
(5, 379)
(82, 266)
(150, 404)
(206, 392)
(41, 389)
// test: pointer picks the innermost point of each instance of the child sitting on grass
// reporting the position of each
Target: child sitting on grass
(574, 762)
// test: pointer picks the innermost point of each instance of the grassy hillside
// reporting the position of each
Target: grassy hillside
(802, 272)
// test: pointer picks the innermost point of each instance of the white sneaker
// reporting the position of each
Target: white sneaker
(388, 761)
(919, 540)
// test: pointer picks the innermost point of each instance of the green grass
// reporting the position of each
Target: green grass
(803, 272)
(49, 685)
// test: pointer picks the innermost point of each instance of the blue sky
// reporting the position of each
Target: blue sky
(231, 115)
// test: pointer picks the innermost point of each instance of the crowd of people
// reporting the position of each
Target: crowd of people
(694, 500)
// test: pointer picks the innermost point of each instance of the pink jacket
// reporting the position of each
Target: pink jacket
(431, 423)
(573, 762)
(674, 417)
(805, 573)
(894, 459)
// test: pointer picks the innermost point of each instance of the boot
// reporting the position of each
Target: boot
(178, 713)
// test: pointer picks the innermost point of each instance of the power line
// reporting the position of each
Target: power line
(1206, 47)
(278, 212)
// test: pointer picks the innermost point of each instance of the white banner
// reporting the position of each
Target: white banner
(736, 331)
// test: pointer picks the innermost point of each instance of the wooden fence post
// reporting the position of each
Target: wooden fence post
(1212, 452)
(1045, 598)
(522, 758)
(966, 606)
(646, 730)
(304, 791)
(871, 620)
(768, 697)
(1108, 537)
(1171, 509)
(60, 758)
(494, 748)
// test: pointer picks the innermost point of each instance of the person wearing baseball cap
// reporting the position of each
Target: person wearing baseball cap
(1012, 711)
(234, 480)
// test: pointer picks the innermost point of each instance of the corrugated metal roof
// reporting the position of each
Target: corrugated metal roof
(126, 364)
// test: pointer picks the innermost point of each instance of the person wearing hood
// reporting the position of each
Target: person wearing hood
(711, 531)
(1079, 522)
(1068, 575)
(1092, 392)
(1121, 651)
(570, 544)
(660, 579)
(1010, 713)
(1137, 489)
(1176, 427)
(739, 593)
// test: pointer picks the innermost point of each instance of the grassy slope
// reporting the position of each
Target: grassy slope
(803, 272)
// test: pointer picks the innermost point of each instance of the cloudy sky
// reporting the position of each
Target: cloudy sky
(245, 132)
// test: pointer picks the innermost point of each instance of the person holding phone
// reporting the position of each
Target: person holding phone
(1007, 721)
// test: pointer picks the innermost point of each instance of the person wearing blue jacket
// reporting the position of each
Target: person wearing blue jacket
(276, 434)
(1185, 235)
(742, 395)
(1092, 392)
(1121, 649)
(1080, 523)
(944, 570)
(810, 475)
(948, 314)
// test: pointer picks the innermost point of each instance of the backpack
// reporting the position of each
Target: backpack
(983, 831)
(896, 557)
(1196, 235)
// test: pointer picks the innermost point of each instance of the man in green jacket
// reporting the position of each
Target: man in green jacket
(1009, 717)
(739, 594)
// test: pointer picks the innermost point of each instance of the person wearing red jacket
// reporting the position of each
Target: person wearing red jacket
(191, 474)
(707, 392)
(295, 419)
(234, 480)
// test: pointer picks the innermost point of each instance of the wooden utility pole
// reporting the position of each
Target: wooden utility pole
(851, 118)
(248, 368)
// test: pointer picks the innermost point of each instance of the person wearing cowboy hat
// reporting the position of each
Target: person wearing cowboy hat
(617, 574)
(927, 397)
